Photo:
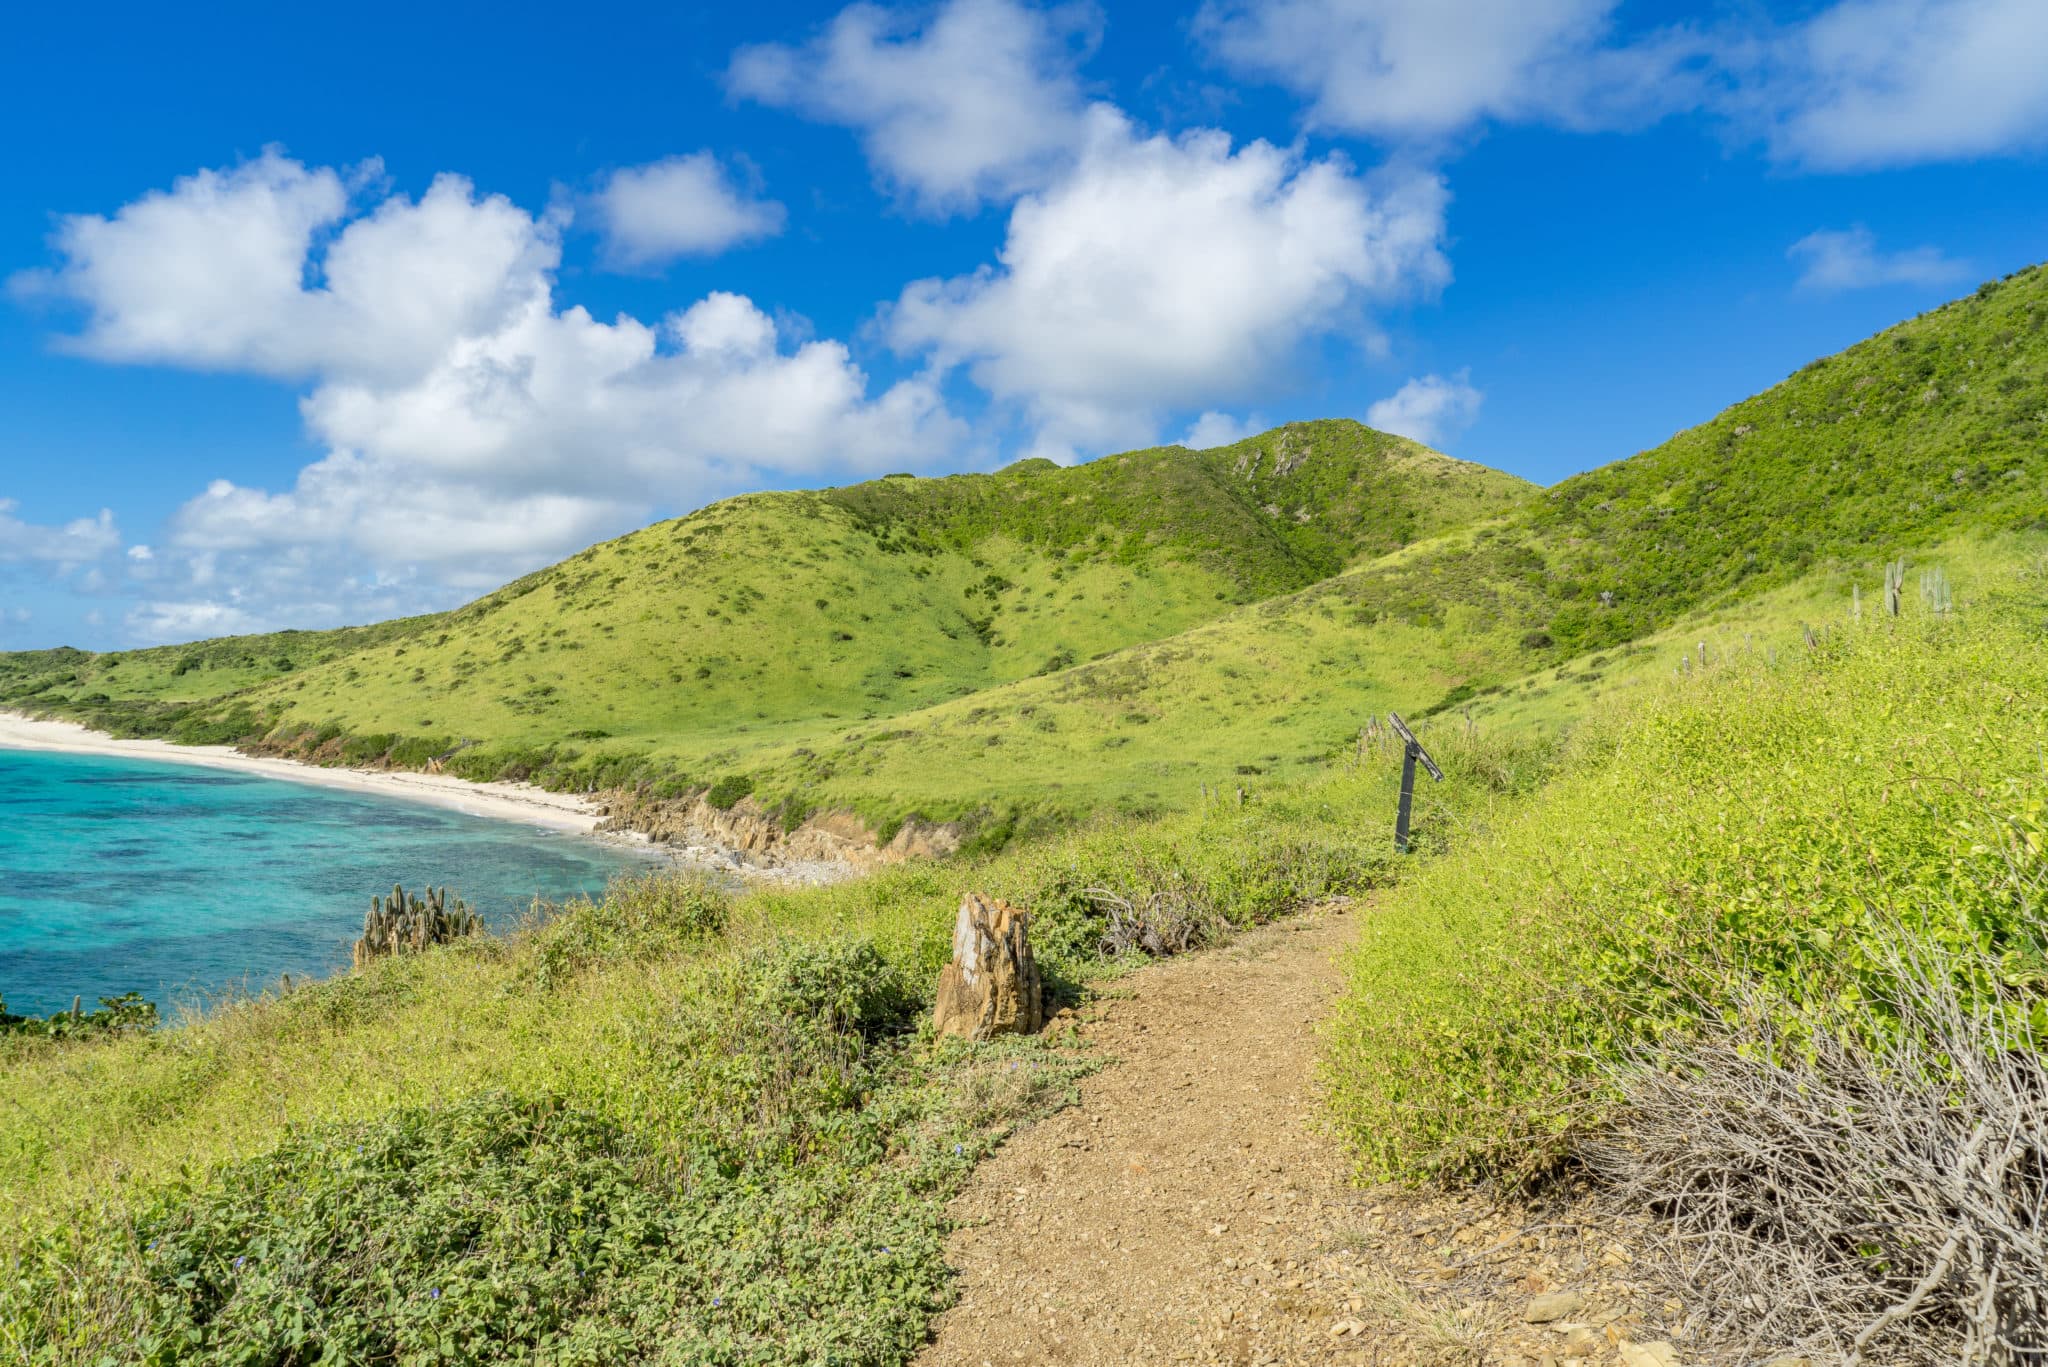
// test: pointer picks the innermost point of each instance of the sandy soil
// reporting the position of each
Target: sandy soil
(502, 801)
(1191, 1209)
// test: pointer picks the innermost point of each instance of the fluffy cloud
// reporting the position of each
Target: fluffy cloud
(1164, 272)
(1870, 83)
(980, 102)
(1856, 84)
(213, 273)
(1848, 259)
(1428, 68)
(1214, 429)
(473, 426)
(683, 206)
(188, 621)
(80, 542)
(1431, 409)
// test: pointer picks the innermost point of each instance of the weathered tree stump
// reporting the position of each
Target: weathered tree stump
(991, 987)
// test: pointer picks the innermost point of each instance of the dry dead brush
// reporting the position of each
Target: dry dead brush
(1871, 1195)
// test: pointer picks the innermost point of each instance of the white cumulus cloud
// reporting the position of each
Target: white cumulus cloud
(78, 542)
(681, 206)
(1868, 83)
(1162, 273)
(980, 101)
(1848, 86)
(1213, 429)
(474, 426)
(1429, 68)
(1849, 259)
(1431, 409)
(213, 273)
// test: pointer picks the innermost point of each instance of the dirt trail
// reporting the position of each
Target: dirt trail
(1190, 1209)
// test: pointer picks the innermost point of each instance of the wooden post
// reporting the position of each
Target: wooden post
(1408, 754)
(1412, 753)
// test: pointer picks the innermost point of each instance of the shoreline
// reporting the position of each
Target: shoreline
(520, 802)
(523, 803)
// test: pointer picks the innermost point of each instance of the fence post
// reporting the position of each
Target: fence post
(1407, 799)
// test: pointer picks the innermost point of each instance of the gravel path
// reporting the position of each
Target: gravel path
(1190, 1209)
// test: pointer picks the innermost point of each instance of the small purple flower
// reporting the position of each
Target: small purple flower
(435, 1294)
(717, 1300)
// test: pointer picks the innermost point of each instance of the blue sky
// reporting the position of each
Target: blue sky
(314, 318)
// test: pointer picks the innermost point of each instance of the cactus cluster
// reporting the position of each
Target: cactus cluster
(403, 922)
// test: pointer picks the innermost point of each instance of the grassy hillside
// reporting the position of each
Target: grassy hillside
(666, 1123)
(1776, 812)
(1925, 442)
(774, 620)
(667, 1126)
(1124, 633)
(661, 1127)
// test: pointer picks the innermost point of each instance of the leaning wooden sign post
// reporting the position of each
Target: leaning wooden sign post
(1412, 752)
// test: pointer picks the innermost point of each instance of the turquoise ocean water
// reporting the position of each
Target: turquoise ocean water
(180, 882)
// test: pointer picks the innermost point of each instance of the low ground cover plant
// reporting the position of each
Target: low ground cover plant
(1776, 812)
(724, 1118)
(1772, 945)
(668, 1124)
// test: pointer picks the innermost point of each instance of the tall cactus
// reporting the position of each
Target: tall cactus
(1935, 590)
(404, 923)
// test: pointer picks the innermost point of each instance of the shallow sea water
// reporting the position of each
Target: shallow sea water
(183, 882)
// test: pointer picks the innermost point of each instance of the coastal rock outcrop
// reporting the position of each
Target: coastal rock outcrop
(991, 987)
(758, 835)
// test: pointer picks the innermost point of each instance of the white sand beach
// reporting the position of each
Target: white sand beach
(501, 801)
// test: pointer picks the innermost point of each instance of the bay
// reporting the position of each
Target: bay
(183, 883)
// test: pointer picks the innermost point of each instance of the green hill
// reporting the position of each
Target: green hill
(1930, 439)
(1126, 632)
(776, 619)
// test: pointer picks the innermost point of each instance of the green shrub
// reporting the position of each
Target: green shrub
(1771, 813)
(413, 752)
(116, 1015)
(640, 917)
(361, 750)
(729, 790)
(759, 1177)
(195, 728)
